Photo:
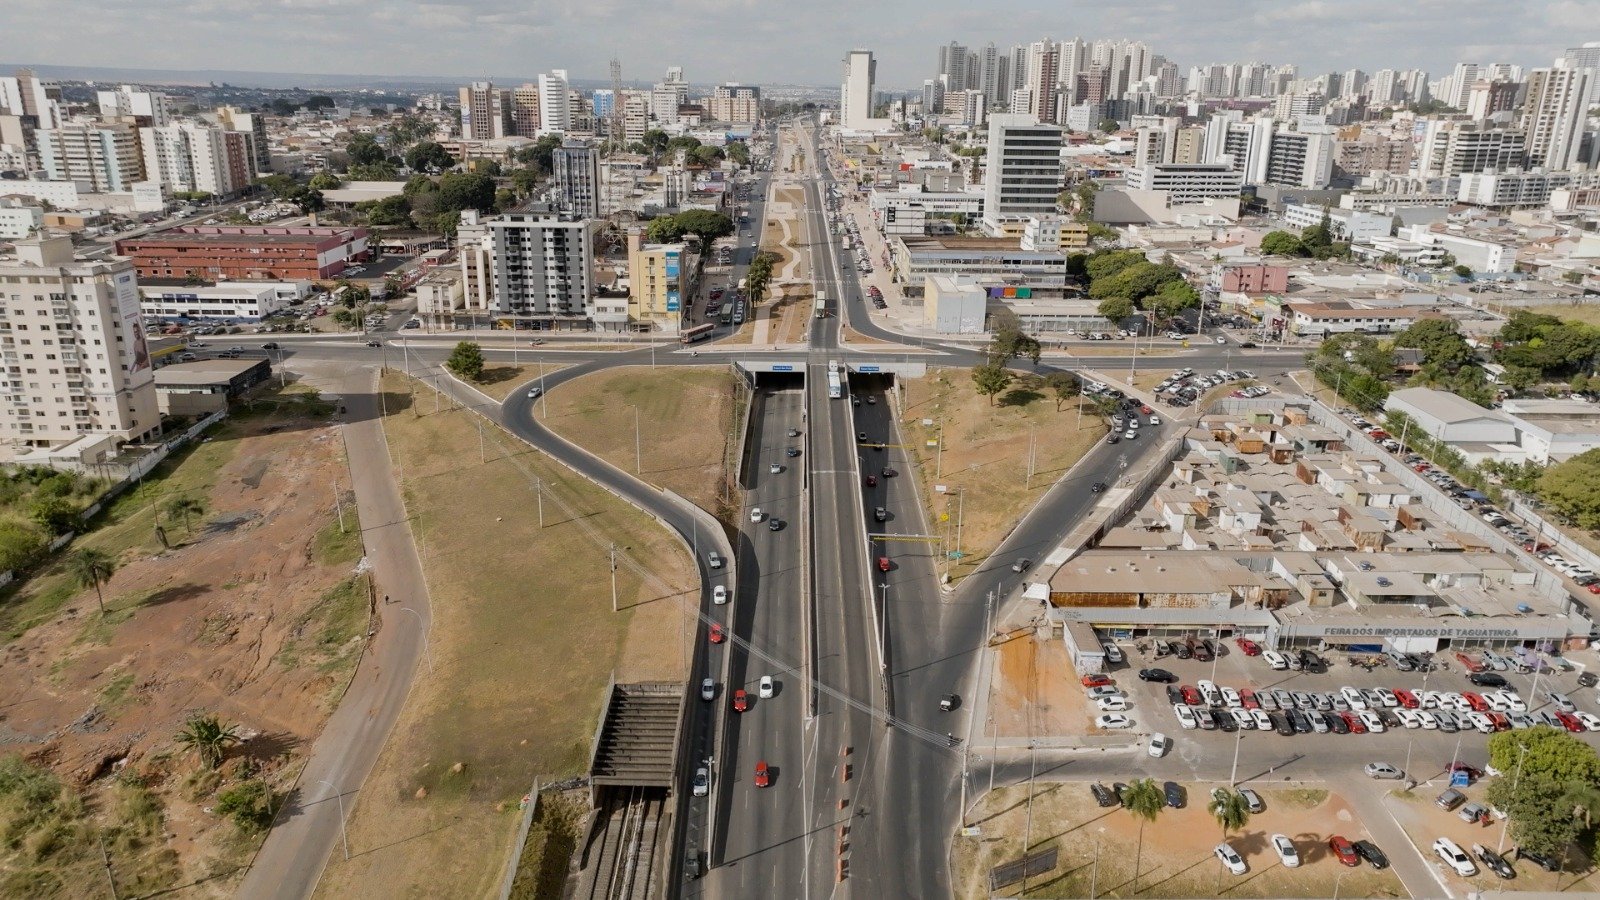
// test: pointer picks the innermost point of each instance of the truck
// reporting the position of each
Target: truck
(822, 304)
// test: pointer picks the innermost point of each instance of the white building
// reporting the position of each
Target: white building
(1504, 190)
(1480, 255)
(193, 157)
(228, 303)
(18, 219)
(543, 266)
(1022, 172)
(954, 305)
(127, 100)
(857, 94)
(104, 156)
(1554, 115)
(1188, 182)
(1451, 147)
(555, 113)
(1447, 417)
(1345, 224)
(910, 209)
(77, 372)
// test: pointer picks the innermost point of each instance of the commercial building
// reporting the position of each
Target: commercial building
(1344, 317)
(1513, 190)
(576, 166)
(660, 282)
(952, 304)
(203, 387)
(1452, 419)
(485, 112)
(25, 94)
(1188, 182)
(18, 218)
(1022, 174)
(859, 90)
(228, 303)
(247, 252)
(1346, 224)
(77, 372)
(1041, 81)
(911, 210)
(1251, 278)
(736, 104)
(1479, 254)
(106, 157)
(914, 259)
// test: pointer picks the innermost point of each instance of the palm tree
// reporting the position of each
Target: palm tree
(184, 507)
(91, 567)
(1145, 799)
(207, 736)
(1229, 809)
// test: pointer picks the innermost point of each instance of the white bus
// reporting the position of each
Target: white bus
(835, 387)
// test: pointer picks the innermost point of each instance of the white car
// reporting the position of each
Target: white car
(1387, 697)
(1410, 718)
(1112, 704)
(719, 595)
(714, 560)
(755, 515)
(1353, 697)
(1230, 858)
(1113, 720)
(1370, 719)
(1104, 690)
(1276, 660)
(1241, 717)
(1286, 851)
(1230, 697)
(1186, 719)
(1428, 699)
(708, 689)
(1155, 420)
(1454, 857)
(1263, 721)
(1159, 745)
(1482, 723)
(765, 687)
(1561, 701)
(1588, 720)
(1208, 690)
(1429, 723)
(775, 468)
(702, 781)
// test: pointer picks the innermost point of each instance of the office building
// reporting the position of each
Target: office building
(859, 90)
(525, 110)
(1022, 172)
(1554, 113)
(485, 111)
(555, 112)
(229, 303)
(105, 156)
(247, 252)
(1188, 183)
(1455, 148)
(77, 373)
(1585, 57)
(576, 167)
(543, 266)
(735, 104)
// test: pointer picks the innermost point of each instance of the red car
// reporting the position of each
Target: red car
(1354, 721)
(872, 481)
(1247, 699)
(1343, 850)
(1190, 695)
(1472, 663)
(1570, 722)
(1145, 410)
(883, 564)
(763, 776)
(716, 633)
(1595, 588)
(1473, 772)
(741, 701)
(1499, 720)
(1476, 701)
(1406, 698)
(1096, 680)
(1248, 647)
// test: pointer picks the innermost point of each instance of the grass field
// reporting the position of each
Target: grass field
(686, 420)
(523, 644)
(986, 454)
(499, 379)
(1587, 313)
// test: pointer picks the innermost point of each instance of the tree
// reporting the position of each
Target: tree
(382, 170)
(318, 101)
(991, 379)
(1145, 799)
(705, 224)
(364, 150)
(57, 515)
(1572, 488)
(184, 507)
(278, 186)
(1282, 243)
(739, 152)
(1444, 350)
(344, 318)
(1463, 271)
(307, 200)
(655, 141)
(707, 156)
(92, 568)
(663, 230)
(542, 154)
(1115, 309)
(1009, 341)
(1065, 385)
(390, 211)
(1230, 810)
(324, 181)
(1579, 383)
(428, 155)
(466, 360)
(249, 805)
(465, 190)
(20, 544)
(207, 736)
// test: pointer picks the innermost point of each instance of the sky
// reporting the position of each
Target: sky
(765, 41)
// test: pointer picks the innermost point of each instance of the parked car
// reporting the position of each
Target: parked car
(1284, 847)
(1369, 851)
(1454, 857)
(1230, 859)
(1493, 861)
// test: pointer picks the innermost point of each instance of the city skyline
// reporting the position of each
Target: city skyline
(720, 40)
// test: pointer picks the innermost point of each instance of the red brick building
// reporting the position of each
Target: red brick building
(247, 252)
(1255, 279)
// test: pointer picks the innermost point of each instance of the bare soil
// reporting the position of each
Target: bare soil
(1036, 690)
(1424, 822)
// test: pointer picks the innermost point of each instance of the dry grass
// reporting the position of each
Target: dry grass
(790, 315)
(1586, 312)
(499, 379)
(685, 418)
(986, 454)
(523, 643)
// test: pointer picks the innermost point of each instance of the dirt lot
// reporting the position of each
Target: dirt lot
(523, 643)
(255, 615)
(1099, 847)
(986, 454)
(686, 420)
(1035, 690)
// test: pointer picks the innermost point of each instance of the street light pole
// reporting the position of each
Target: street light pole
(1522, 753)
(1233, 777)
(343, 834)
(613, 577)
(426, 652)
(638, 458)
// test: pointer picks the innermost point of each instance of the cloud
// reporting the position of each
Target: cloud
(768, 42)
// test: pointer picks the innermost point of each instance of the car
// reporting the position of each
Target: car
(1561, 701)
(1546, 863)
(1230, 859)
(1353, 697)
(1454, 857)
(1242, 718)
(1343, 850)
(1158, 675)
(715, 635)
(1230, 697)
(741, 700)
(1113, 652)
(765, 687)
(763, 774)
(791, 452)
(1474, 813)
(187, 357)
(883, 564)
(374, 343)
(1021, 565)
(702, 781)
(1154, 419)
(1382, 770)
(1475, 666)
(1475, 701)
(1282, 724)
(1590, 721)
(1247, 646)
(1354, 721)
(719, 595)
(1130, 435)
(880, 514)
(1103, 796)
(1159, 745)
(1286, 851)
(1373, 721)
(1096, 680)
(794, 432)
(1276, 660)
(775, 468)
(1191, 696)
(1247, 699)
(1097, 487)
(708, 689)
(1117, 703)
(1260, 719)
(270, 345)
(1570, 722)
(714, 560)
(872, 481)
(1409, 718)
(1493, 861)
(1104, 690)
(1113, 721)
(1176, 797)
(1369, 851)
(1174, 695)
(1186, 716)
(1406, 698)
(1449, 799)
(774, 524)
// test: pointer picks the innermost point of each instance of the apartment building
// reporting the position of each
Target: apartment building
(148, 108)
(736, 104)
(1188, 183)
(77, 372)
(485, 111)
(1022, 174)
(555, 111)
(543, 268)
(660, 281)
(858, 92)
(105, 156)
(1451, 147)
(525, 111)
(195, 157)
(576, 166)
(255, 126)
(1513, 190)
(1554, 115)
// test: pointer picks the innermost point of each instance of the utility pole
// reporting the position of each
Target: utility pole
(538, 491)
(638, 458)
(961, 506)
(613, 577)
(338, 504)
(343, 834)
(1031, 434)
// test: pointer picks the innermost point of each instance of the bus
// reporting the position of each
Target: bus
(835, 388)
(822, 304)
(697, 333)
(725, 314)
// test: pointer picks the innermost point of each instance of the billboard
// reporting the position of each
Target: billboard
(127, 289)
